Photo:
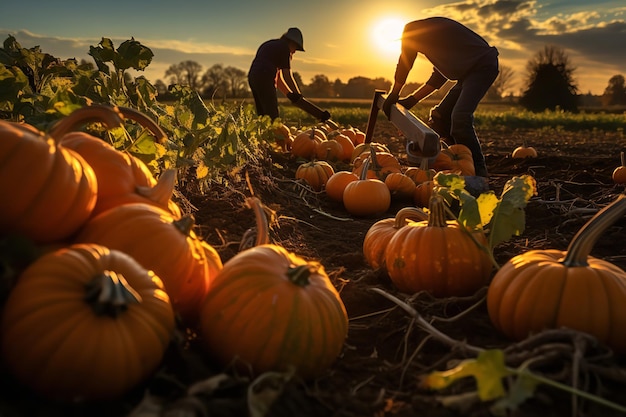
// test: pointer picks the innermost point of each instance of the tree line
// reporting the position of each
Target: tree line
(549, 84)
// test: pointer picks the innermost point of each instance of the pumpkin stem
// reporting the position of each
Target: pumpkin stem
(144, 121)
(406, 213)
(300, 274)
(109, 116)
(437, 216)
(622, 157)
(262, 225)
(162, 192)
(581, 245)
(109, 294)
(185, 224)
(364, 168)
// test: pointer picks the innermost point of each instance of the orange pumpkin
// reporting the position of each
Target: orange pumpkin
(366, 147)
(378, 235)
(381, 164)
(329, 150)
(305, 143)
(48, 191)
(438, 256)
(422, 193)
(420, 175)
(366, 196)
(162, 243)
(400, 186)
(123, 177)
(455, 157)
(85, 323)
(524, 151)
(549, 289)
(337, 183)
(315, 173)
(619, 173)
(347, 146)
(271, 310)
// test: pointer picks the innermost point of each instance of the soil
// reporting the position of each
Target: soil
(387, 353)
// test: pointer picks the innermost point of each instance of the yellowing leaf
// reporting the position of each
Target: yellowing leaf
(488, 369)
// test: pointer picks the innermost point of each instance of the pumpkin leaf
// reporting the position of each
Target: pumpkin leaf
(508, 216)
(522, 388)
(488, 369)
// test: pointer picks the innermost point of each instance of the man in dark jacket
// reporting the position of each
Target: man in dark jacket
(459, 54)
(271, 69)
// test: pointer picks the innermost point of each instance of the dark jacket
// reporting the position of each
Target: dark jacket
(452, 48)
(271, 56)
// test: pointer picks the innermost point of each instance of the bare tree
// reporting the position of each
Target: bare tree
(550, 82)
(185, 73)
(237, 81)
(214, 82)
(503, 83)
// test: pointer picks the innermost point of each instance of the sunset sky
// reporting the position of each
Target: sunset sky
(342, 39)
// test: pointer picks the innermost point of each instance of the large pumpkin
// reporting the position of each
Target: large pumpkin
(438, 256)
(123, 177)
(548, 289)
(162, 243)
(85, 323)
(272, 310)
(48, 191)
(455, 157)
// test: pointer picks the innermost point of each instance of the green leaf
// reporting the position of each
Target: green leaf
(508, 216)
(488, 369)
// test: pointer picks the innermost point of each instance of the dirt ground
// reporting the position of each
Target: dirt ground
(386, 353)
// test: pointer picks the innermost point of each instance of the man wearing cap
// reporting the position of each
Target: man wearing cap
(458, 54)
(271, 69)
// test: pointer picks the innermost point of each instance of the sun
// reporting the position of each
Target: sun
(386, 34)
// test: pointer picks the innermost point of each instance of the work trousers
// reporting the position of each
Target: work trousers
(453, 117)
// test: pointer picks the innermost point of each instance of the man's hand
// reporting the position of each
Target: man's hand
(392, 98)
(294, 97)
(325, 116)
(408, 102)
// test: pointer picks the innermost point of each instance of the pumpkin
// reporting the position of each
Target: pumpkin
(381, 164)
(379, 234)
(347, 146)
(619, 173)
(272, 310)
(124, 178)
(48, 191)
(162, 243)
(282, 136)
(455, 157)
(305, 143)
(366, 196)
(85, 323)
(524, 151)
(336, 184)
(329, 150)
(548, 289)
(438, 256)
(315, 173)
(422, 193)
(366, 147)
(420, 175)
(400, 186)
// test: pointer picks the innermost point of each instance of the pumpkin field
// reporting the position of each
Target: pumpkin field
(189, 258)
(404, 354)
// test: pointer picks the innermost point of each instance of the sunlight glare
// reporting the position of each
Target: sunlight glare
(386, 34)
